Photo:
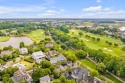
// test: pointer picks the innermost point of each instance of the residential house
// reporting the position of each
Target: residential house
(48, 45)
(2, 67)
(21, 76)
(23, 50)
(58, 59)
(38, 56)
(45, 79)
(20, 66)
(93, 80)
(121, 32)
(5, 52)
(71, 64)
(51, 53)
(79, 74)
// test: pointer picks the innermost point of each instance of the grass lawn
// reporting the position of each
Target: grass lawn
(36, 35)
(3, 38)
(112, 78)
(25, 63)
(116, 51)
(88, 63)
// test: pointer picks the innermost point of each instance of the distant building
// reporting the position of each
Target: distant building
(21, 76)
(38, 56)
(58, 59)
(48, 45)
(45, 79)
(122, 28)
(23, 50)
(51, 53)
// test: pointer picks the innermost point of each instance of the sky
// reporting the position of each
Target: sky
(62, 8)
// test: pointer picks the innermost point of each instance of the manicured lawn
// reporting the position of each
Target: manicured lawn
(112, 78)
(116, 51)
(3, 38)
(25, 63)
(88, 63)
(36, 35)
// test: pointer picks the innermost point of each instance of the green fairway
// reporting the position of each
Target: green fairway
(116, 51)
(36, 35)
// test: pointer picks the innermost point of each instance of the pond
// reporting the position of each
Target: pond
(15, 42)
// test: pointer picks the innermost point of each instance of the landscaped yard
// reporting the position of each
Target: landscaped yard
(116, 51)
(112, 78)
(36, 35)
(88, 63)
(25, 63)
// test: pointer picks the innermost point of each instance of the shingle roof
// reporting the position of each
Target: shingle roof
(59, 58)
(45, 78)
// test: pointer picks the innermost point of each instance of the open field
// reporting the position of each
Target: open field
(36, 35)
(116, 51)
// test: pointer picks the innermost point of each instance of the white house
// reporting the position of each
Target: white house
(20, 66)
(23, 50)
(38, 56)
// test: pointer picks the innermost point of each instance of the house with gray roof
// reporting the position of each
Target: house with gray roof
(49, 45)
(45, 79)
(79, 74)
(51, 53)
(58, 59)
(37, 56)
(23, 50)
(21, 76)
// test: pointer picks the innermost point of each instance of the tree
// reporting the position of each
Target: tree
(63, 46)
(115, 44)
(123, 48)
(110, 43)
(45, 64)
(22, 44)
(94, 73)
(122, 71)
(62, 78)
(57, 81)
(81, 54)
(98, 39)
(72, 58)
(70, 81)
(80, 33)
(101, 67)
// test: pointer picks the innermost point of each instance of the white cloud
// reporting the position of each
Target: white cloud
(51, 13)
(99, 1)
(6, 9)
(102, 12)
(93, 8)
